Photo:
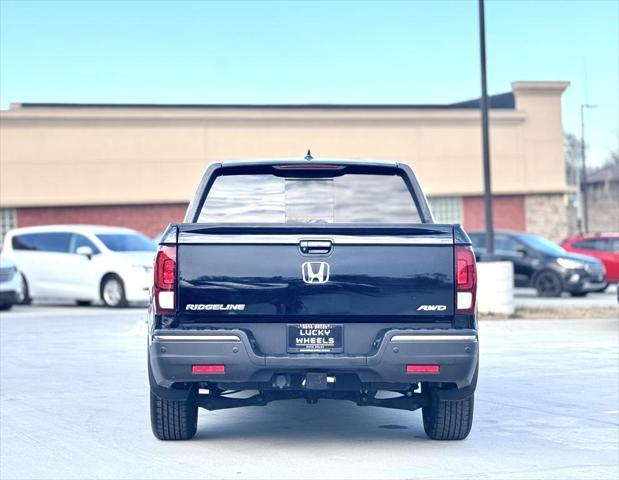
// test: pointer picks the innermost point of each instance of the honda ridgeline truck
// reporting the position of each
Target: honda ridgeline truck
(312, 279)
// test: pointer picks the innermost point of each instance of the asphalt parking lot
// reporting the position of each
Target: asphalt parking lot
(527, 298)
(74, 404)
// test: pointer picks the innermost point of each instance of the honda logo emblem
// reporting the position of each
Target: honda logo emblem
(315, 272)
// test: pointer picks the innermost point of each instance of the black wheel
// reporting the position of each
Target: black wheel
(113, 291)
(448, 419)
(548, 284)
(25, 292)
(83, 303)
(5, 306)
(579, 294)
(173, 420)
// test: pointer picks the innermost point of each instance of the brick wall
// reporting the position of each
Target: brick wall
(148, 219)
(546, 215)
(508, 212)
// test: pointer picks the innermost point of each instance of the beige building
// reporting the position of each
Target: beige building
(138, 165)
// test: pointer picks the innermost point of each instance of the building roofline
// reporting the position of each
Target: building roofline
(541, 87)
(501, 101)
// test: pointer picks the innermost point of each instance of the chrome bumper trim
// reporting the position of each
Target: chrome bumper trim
(197, 338)
(434, 338)
(197, 238)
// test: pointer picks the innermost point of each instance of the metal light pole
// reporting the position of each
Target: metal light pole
(583, 176)
(485, 134)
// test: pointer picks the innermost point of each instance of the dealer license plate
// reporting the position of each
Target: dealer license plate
(315, 338)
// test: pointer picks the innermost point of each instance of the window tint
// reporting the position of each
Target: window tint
(127, 242)
(583, 244)
(541, 244)
(600, 244)
(351, 198)
(43, 242)
(78, 240)
(614, 244)
(504, 243)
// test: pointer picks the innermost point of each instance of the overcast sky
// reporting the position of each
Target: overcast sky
(311, 52)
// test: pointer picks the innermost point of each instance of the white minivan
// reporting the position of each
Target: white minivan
(82, 263)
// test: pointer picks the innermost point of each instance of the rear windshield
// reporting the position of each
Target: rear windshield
(350, 198)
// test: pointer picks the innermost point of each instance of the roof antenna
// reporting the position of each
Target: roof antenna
(309, 155)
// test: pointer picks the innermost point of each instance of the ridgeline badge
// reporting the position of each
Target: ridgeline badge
(215, 306)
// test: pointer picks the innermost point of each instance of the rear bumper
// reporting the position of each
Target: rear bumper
(173, 352)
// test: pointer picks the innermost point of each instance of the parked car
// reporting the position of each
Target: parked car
(82, 263)
(542, 264)
(603, 246)
(313, 279)
(10, 284)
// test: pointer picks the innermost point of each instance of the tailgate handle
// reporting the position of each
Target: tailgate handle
(315, 247)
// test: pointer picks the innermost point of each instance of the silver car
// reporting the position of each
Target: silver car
(11, 287)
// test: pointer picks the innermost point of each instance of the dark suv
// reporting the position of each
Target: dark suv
(542, 264)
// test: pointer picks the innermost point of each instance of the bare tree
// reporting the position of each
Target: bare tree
(571, 145)
(613, 158)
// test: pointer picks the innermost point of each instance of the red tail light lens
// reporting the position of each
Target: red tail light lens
(466, 279)
(210, 369)
(165, 279)
(309, 166)
(423, 369)
(165, 272)
(465, 261)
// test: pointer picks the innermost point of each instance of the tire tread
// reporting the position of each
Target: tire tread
(173, 420)
(448, 419)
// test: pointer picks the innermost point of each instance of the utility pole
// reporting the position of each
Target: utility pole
(485, 135)
(583, 176)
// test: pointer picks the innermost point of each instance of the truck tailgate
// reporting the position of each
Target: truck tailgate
(315, 273)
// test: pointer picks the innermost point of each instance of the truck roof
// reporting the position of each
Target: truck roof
(286, 161)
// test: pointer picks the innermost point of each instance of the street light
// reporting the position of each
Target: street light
(485, 134)
(583, 177)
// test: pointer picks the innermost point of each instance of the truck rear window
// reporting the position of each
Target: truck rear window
(350, 198)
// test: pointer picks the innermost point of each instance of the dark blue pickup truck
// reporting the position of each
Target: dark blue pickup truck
(312, 279)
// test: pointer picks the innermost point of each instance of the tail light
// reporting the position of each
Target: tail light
(309, 166)
(423, 369)
(165, 279)
(466, 280)
(211, 369)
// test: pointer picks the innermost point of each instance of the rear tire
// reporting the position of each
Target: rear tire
(113, 291)
(448, 419)
(25, 293)
(548, 284)
(173, 420)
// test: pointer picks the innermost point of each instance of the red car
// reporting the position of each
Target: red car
(603, 246)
